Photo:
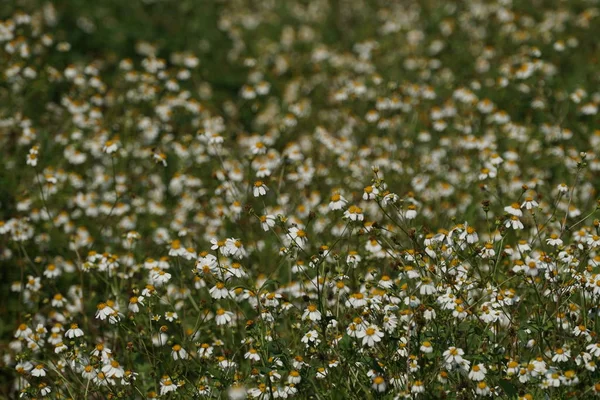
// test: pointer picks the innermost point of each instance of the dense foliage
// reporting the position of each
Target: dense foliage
(312, 199)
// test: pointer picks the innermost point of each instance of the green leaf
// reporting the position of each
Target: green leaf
(508, 388)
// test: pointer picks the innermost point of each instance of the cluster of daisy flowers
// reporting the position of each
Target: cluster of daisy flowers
(409, 214)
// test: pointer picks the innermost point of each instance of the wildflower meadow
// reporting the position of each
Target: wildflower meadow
(325, 199)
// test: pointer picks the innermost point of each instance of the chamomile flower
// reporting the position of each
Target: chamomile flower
(113, 369)
(337, 202)
(38, 371)
(294, 377)
(260, 189)
(205, 350)
(453, 356)
(73, 332)
(159, 277)
(514, 223)
(529, 203)
(469, 234)
(379, 384)
(514, 209)
(411, 212)
(219, 291)
(171, 316)
(482, 389)
(477, 372)
(417, 388)
(311, 338)
(562, 188)
(178, 352)
(298, 236)
(23, 331)
(267, 222)
(561, 355)
(223, 317)
(426, 347)
(134, 303)
(32, 157)
(356, 300)
(354, 213)
(252, 355)
(111, 146)
(160, 158)
(370, 336)
(167, 386)
(104, 311)
(370, 193)
(554, 240)
(311, 313)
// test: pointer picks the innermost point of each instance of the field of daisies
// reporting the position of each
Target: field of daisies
(326, 199)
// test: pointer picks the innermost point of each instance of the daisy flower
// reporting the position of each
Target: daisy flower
(160, 158)
(223, 317)
(111, 146)
(426, 347)
(379, 384)
(205, 350)
(267, 222)
(453, 356)
(311, 338)
(385, 282)
(354, 213)
(356, 300)
(252, 355)
(113, 370)
(370, 193)
(104, 311)
(482, 389)
(178, 352)
(529, 203)
(554, 240)
(311, 313)
(389, 198)
(321, 373)
(561, 355)
(411, 212)
(219, 291)
(337, 202)
(477, 372)
(38, 371)
(294, 377)
(469, 234)
(167, 386)
(32, 157)
(417, 387)
(298, 236)
(594, 349)
(514, 223)
(134, 303)
(23, 331)
(260, 189)
(370, 336)
(74, 332)
(514, 209)
(159, 277)
(171, 316)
